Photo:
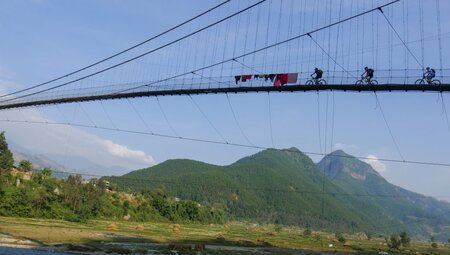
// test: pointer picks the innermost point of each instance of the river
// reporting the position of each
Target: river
(217, 248)
(24, 251)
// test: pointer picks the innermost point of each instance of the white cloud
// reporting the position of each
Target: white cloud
(345, 147)
(126, 153)
(65, 140)
(376, 164)
(70, 141)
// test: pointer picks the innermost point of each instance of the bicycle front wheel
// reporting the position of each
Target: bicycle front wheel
(419, 82)
(359, 82)
(436, 82)
(309, 82)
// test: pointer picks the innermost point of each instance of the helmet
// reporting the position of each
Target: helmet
(428, 68)
(316, 69)
(365, 68)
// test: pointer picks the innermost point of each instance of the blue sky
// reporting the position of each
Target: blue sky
(43, 39)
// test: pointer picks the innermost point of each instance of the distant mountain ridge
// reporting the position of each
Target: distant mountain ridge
(345, 164)
(286, 186)
(78, 165)
(356, 176)
(38, 161)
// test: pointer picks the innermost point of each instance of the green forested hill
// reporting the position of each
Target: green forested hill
(280, 186)
(420, 214)
(287, 187)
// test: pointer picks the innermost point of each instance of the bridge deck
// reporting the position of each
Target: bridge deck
(195, 91)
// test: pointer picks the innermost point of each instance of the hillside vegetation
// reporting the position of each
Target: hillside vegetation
(25, 192)
(283, 187)
(287, 187)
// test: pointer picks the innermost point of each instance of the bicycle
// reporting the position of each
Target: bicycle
(316, 82)
(365, 81)
(424, 81)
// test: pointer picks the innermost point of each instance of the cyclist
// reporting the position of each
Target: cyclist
(318, 75)
(429, 74)
(368, 74)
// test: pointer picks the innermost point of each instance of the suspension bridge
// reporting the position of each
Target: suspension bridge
(82, 96)
(263, 46)
(379, 35)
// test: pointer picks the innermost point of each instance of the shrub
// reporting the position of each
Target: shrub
(394, 242)
(340, 237)
(405, 239)
(25, 165)
(307, 232)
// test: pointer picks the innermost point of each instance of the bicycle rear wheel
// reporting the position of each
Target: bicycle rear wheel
(436, 82)
(322, 82)
(373, 82)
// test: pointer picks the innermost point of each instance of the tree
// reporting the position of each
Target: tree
(340, 237)
(448, 242)
(25, 165)
(6, 157)
(405, 239)
(434, 245)
(46, 173)
(394, 242)
(84, 199)
(73, 195)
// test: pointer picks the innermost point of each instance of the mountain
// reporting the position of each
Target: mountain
(281, 186)
(38, 161)
(287, 187)
(58, 170)
(84, 165)
(73, 164)
(419, 213)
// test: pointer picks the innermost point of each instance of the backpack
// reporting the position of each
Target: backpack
(370, 71)
(320, 72)
(433, 71)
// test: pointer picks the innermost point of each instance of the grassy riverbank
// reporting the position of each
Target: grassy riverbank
(97, 233)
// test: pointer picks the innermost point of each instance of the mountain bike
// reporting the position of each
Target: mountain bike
(424, 81)
(316, 82)
(365, 81)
